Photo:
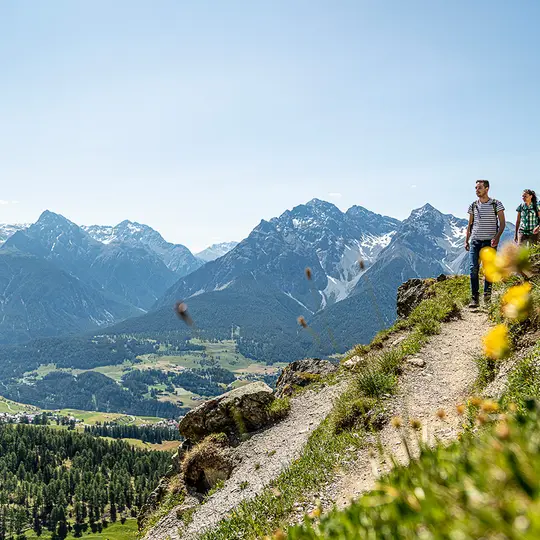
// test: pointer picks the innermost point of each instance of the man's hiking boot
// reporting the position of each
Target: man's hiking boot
(473, 304)
(487, 299)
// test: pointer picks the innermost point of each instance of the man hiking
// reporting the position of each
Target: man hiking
(486, 224)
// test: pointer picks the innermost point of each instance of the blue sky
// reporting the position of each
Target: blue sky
(201, 118)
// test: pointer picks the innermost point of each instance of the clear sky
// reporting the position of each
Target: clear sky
(200, 118)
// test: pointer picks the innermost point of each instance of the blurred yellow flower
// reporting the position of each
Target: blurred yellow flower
(492, 270)
(499, 265)
(496, 342)
(517, 302)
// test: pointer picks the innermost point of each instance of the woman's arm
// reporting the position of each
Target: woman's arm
(536, 230)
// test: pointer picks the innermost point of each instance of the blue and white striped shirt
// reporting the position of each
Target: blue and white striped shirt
(486, 222)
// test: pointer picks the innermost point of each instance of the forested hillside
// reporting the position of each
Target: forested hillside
(61, 480)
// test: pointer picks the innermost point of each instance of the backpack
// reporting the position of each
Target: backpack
(494, 203)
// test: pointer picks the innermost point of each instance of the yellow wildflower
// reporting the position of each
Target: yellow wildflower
(493, 271)
(502, 430)
(489, 406)
(496, 342)
(499, 265)
(315, 513)
(517, 302)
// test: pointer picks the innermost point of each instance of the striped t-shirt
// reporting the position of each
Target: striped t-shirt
(486, 222)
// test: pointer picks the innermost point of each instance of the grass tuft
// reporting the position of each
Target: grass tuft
(279, 408)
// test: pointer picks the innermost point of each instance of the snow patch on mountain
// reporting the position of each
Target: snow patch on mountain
(176, 257)
(298, 301)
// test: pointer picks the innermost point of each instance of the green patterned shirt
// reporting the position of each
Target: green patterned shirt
(529, 218)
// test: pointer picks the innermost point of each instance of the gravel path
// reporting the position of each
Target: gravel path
(274, 449)
(441, 383)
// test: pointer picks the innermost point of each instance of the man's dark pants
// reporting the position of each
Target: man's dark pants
(474, 258)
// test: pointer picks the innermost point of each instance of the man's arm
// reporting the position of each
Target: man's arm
(502, 225)
(518, 221)
(469, 230)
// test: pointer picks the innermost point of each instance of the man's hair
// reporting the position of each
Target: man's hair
(485, 182)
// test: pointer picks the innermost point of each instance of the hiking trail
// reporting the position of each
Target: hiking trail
(440, 376)
(444, 381)
(259, 460)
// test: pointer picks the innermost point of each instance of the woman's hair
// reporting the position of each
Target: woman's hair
(532, 193)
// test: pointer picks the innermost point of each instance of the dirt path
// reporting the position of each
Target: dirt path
(260, 459)
(441, 383)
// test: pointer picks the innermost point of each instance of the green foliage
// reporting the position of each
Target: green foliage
(279, 408)
(481, 487)
(88, 391)
(53, 470)
(375, 383)
(150, 434)
(219, 485)
(114, 531)
(449, 296)
(487, 371)
(350, 412)
(524, 381)
(170, 501)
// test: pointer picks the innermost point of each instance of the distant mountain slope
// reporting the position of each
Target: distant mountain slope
(128, 272)
(216, 251)
(255, 291)
(176, 257)
(427, 244)
(260, 318)
(315, 235)
(7, 230)
(259, 288)
(38, 299)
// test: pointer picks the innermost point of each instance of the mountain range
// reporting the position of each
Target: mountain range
(58, 278)
(254, 291)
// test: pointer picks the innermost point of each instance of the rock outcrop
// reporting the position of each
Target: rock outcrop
(207, 464)
(301, 373)
(235, 413)
(412, 292)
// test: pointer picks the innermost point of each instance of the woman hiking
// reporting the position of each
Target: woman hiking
(528, 219)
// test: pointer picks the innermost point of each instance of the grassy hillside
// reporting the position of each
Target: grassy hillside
(114, 531)
(344, 429)
(485, 486)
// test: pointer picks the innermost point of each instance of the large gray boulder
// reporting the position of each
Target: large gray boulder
(302, 373)
(235, 413)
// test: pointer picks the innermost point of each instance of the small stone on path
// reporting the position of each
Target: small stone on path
(415, 361)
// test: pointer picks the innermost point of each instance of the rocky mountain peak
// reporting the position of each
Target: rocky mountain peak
(50, 220)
